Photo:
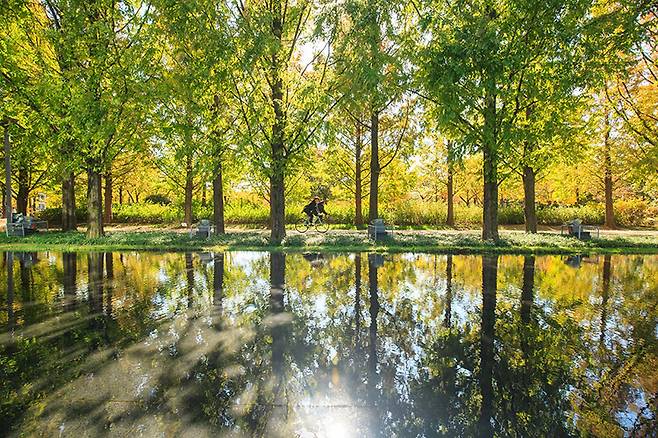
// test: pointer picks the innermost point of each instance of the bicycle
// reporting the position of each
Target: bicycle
(317, 222)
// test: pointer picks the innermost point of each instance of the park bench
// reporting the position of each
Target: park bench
(575, 228)
(377, 229)
(24, 225)
(202, 229)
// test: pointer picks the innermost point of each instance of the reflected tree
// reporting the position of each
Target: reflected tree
(487, 333)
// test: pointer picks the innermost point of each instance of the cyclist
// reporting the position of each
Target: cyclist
(311, 209)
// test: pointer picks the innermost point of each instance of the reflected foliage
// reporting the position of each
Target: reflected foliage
(275, 344)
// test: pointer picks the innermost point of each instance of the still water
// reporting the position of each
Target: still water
(327, 345)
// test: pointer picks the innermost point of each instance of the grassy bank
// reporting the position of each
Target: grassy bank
(335, 240)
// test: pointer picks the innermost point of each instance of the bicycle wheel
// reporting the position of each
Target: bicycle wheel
(301, 227)
(322, 227)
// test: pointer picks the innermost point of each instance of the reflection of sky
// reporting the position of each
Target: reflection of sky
(324, 377)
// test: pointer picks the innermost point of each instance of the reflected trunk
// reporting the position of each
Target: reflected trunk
(357, 302)
(605, 296)
(70, 280)
(372, 345)
(11, 319)
(109, 279)
(218, 284)
(277, 284)
(527, 290)
(448, 311)
(189, 276)
(95, 286)
(489, 278)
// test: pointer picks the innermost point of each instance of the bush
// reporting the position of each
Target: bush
(157, 199)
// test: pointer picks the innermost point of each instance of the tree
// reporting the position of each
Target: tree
(487, 65)
(283, 98)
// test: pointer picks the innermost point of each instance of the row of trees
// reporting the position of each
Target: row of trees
(227, 88)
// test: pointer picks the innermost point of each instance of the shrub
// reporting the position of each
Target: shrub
(157, 199)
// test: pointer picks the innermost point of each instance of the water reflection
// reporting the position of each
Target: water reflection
(275, 344)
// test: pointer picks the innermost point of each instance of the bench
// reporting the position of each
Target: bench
(15, 230)
(377, 229)
(23, 226)
(575, 228)
(202, 229)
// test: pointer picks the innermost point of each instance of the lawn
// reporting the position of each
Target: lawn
(334, 240)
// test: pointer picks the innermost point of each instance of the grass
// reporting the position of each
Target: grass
(335, 240)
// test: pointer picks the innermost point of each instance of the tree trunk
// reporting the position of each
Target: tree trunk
(373, 212)
(607, 177)
(529, 207)
(94, 209)
(120, 195)
(107, 216)
(450, 217)
(69, 219)
(490, 171)
(189, 187)
(11, 319)
(278, 157)
(487, 333)
(203, 194)
(218, 201)
(358, 176)
(8, 193)
(23, 194)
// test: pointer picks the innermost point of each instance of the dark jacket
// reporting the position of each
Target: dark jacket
(311, 208)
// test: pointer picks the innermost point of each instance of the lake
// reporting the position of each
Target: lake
(327, 345)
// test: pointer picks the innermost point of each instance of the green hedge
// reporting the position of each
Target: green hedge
(628, 213)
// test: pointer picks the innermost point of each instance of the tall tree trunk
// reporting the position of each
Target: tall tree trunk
(94, 209)
(204, 192)
(107, 212)
(358, 178)
(373, 205)
(529, 207)
(120, 195)
(189, 187)
(23, 194)
(278, 158)
(607, 177)
(8, 193)
(490, 169)
(450, 216)
(218, 201)
(69, 219)
(489, 278)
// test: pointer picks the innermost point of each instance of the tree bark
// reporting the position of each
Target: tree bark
(373, 211)
(358, 178)
(107, 212)
(8, 193)
(23, 194)
(94, 209)
(450, 216)
(69, 219)
(218, 201)
(189, 187)
(487, 333)
(529, 207)
(120, 195)
(490, 170)
(607, 177)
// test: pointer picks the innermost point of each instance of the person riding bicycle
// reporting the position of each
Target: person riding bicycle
(314, 209)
